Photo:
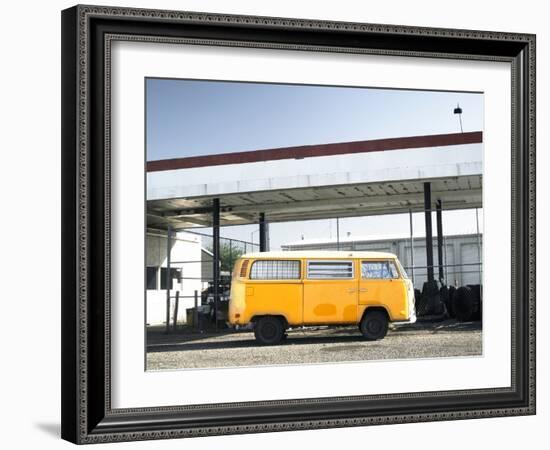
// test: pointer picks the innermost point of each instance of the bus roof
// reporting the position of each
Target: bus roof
(325, 254)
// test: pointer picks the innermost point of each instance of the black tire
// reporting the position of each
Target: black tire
(374, 325)
(476, 291)
(450, 309)
(445, 295)
(269, 330)
(417, 296)
(466, 304)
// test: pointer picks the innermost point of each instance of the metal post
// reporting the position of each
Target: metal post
(439, 221)
(479, 251)
(412, 244)
(216, 256)
(428, 219)
(176, 307)
(196, 311)
(445, 259)
(458, 110)
(263, 233)
(337, 233)
(167, 278)
(231, 257)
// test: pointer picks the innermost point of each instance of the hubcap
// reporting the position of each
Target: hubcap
(374, 326)
(269, 331)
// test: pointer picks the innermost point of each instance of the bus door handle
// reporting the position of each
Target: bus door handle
(363, 290)
(351, 290)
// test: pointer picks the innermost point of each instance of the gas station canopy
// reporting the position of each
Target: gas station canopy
(375, 177)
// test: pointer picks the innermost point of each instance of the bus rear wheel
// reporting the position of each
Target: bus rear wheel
(269, 330)
(374, 325)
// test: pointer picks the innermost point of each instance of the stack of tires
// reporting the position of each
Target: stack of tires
(465, 303)
(429, 302)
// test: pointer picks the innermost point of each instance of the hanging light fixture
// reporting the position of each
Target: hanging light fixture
(458, 110)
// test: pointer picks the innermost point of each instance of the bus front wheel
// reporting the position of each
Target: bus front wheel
(269, 330)
(374, 325)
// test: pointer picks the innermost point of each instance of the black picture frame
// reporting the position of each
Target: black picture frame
(87, 416)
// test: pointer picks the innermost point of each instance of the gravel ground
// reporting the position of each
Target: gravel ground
(230, 349)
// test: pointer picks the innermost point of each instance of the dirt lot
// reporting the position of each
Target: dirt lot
(231, 349)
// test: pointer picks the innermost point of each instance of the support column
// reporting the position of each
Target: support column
(216, 256)
(439, 220)
(263, 233)
(168, 278)
(429, 242)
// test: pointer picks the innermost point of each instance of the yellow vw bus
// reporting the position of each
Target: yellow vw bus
(272, 291)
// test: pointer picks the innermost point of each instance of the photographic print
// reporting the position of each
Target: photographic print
(298, 224)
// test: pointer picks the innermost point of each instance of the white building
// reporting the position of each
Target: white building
(461, 261)
(185, 268)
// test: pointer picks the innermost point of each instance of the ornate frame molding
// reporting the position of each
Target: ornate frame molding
(86, 219)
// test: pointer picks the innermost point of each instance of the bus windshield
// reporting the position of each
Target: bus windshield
(402, 269)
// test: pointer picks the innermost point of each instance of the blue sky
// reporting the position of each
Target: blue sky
(192, 117)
